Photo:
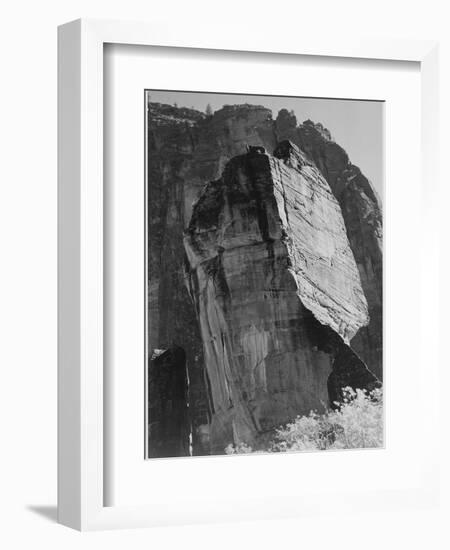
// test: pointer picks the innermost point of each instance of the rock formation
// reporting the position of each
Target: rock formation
(361, 210)
(276, 289)
(186, 150)
(169, 423)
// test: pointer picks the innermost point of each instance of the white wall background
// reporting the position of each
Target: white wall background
(28, 270)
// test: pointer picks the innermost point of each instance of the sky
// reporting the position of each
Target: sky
(355, 125)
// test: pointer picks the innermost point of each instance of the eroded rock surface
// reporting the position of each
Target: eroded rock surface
(168, 412)
(270, 269)
(361, 211)
(186, 150)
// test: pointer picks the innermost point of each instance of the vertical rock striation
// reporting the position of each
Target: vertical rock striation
(186, 149)
(276, 289)
(361, 210)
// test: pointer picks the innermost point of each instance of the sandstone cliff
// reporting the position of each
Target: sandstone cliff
(188, 149)
(169, 422)
(277, 293)
(361, 210)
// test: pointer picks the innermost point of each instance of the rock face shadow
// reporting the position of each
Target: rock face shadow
(264, 266)
(50, 513)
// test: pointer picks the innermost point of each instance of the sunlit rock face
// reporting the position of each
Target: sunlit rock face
(188, 149)
(276, 290)
(362, 214)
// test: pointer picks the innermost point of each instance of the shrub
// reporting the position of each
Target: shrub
(357, 423)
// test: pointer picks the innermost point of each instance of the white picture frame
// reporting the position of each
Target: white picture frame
(81, 480)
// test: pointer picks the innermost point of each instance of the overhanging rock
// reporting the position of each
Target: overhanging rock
(272, 275)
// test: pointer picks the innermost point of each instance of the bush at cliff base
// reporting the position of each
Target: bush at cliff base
(357, 423)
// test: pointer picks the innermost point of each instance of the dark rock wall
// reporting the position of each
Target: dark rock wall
(349, 371)
(186, 150)
(267, 253)
(168, 411)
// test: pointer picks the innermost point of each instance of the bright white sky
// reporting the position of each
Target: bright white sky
(354, 124)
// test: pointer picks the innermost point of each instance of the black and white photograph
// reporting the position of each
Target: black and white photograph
(224, 275)
(264, 274)
(224, 263)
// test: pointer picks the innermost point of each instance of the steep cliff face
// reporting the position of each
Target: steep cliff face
(276, 289)
(168, 411)
(171, 317)
(186, 150)
(361, 210)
